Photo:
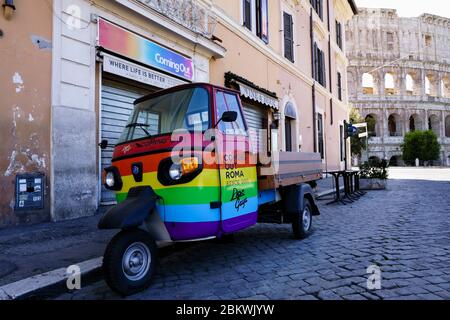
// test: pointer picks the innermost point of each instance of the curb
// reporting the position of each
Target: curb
(44, 283)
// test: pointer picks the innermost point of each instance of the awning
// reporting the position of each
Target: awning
(251, 91)
(258, 96)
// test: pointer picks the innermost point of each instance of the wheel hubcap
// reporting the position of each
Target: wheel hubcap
(306, 219)
(136, 261)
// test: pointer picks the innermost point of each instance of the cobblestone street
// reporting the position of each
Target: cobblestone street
(405, 230)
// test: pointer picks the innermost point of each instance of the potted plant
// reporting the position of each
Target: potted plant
(374, 175)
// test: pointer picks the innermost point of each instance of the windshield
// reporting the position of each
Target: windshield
(185, 109)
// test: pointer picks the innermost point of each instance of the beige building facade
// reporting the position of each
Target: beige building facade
(399, 78)
(297, 60)
(73, 69)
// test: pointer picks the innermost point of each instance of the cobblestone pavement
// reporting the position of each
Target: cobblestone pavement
(405, 230)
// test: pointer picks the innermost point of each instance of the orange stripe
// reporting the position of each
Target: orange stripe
(151, 163)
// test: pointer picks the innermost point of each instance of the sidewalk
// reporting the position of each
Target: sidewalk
(31, 250)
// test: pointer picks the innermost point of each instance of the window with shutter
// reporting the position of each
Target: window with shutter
(321, 135)
(339, 34)
(339, 83)
(288, 37)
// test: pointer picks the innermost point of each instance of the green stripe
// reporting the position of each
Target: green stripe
(197, 195)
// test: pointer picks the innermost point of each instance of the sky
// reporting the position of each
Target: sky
(410, 8)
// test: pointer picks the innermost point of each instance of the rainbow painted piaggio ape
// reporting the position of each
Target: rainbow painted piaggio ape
(184, 170)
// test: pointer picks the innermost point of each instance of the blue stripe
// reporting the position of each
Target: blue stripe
(203, 213)
(266, 196)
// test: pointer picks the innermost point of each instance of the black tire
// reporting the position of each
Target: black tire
(301, 229)
(125, 246)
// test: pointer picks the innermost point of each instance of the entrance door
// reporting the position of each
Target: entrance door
(255, 117)
(117, 103)
(238, 180)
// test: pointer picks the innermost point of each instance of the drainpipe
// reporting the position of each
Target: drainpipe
(314, 81)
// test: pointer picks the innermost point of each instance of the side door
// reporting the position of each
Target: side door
(237, 170)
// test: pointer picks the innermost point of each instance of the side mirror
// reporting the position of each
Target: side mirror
(104, 144)
(229, 116)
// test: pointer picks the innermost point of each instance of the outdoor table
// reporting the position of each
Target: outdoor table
(337, 197)
(357, 189)
(348, 186)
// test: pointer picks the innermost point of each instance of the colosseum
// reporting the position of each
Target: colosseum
(399, 78)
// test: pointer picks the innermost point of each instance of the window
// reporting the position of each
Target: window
(428, 41)
(229, 102)
(247, 14)
(339, 85)
(339, 34)
(185, 109)
(319, 66)
(262, 20)
(320, 135)
(318, 7)
(390, 41)
(256, 17)
(288, 133)
(288, 37)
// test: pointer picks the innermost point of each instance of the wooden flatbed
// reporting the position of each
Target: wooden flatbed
(290, 168)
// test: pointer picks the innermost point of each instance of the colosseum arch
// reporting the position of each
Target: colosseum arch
(434, 124)
(415, 122)
(368, 84)
(389, 84)
(372, 125)
(447, 126)
(445, 86)
(395, 125)
(431, 86)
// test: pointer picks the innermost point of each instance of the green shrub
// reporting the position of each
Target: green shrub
(422, 145)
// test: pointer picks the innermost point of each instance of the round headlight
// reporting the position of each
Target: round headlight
(175, 171)
(109, 180)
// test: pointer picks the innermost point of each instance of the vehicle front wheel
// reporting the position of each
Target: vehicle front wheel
(302, 221)
(130, 261)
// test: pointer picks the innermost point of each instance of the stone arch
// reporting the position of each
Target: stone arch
(368, 83)
(289, 124)
(445, 86)
(447, 126)
(395, 125)
(395, 161)
(434, 124)
(389, 83)
(430, 85)
(415, 122)
(409, 83)
(372, 124)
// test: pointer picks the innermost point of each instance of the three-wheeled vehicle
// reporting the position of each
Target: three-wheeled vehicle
(185, 169)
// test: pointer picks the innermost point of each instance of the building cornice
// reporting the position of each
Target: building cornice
(168, 24)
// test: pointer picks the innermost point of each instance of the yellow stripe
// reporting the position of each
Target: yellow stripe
(207, 178)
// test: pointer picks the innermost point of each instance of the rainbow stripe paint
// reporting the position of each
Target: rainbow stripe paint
(125, 43)
(185, 209)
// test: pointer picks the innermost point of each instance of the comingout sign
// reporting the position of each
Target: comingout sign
(125, 43)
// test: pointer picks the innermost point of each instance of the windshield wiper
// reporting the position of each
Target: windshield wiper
(140, 125)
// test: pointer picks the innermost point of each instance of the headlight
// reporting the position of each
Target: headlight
(175, 171)
(109, 180)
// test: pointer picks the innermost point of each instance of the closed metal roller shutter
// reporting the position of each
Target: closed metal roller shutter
(255, 118)
(117, 105)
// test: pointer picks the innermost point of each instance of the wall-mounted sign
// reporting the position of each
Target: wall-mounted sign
(128, 44)
(258, 96)
(30, 192)
(138, 73)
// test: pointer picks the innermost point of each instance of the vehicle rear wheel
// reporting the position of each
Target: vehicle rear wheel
(302, 222)
(130, 261)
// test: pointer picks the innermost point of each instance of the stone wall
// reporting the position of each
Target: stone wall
(399, 73)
